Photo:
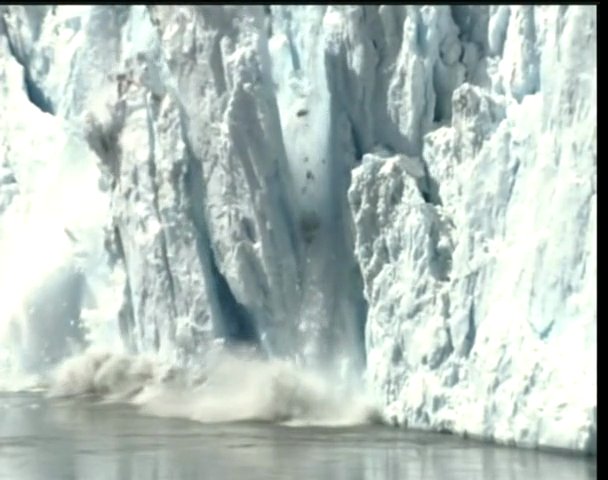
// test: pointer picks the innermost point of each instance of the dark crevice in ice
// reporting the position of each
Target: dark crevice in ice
(34, 92)
(238, 325)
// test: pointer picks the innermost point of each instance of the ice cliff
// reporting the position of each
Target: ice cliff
(404, 192)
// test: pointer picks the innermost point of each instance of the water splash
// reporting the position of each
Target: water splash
(227, 386)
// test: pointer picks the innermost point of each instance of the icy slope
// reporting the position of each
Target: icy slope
(414, 185)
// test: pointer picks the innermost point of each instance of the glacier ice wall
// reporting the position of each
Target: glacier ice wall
(482, 293)
(408, 191)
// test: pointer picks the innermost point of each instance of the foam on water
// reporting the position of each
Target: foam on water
(228, 386)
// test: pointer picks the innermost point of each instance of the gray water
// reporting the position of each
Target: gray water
(60, 439)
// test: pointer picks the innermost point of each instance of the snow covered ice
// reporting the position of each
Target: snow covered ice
(403, 196)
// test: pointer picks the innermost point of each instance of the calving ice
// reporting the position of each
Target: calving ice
(400, 197)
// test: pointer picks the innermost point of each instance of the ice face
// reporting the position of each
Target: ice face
(407, 192)
(479, 294)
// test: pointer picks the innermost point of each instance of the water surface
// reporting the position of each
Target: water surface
(42, 439)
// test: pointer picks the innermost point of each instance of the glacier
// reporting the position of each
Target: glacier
(405, 196)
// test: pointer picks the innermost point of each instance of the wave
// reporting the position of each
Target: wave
(230, 386)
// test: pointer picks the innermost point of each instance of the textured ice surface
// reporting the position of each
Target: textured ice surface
(408, 190)
(482, 296)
